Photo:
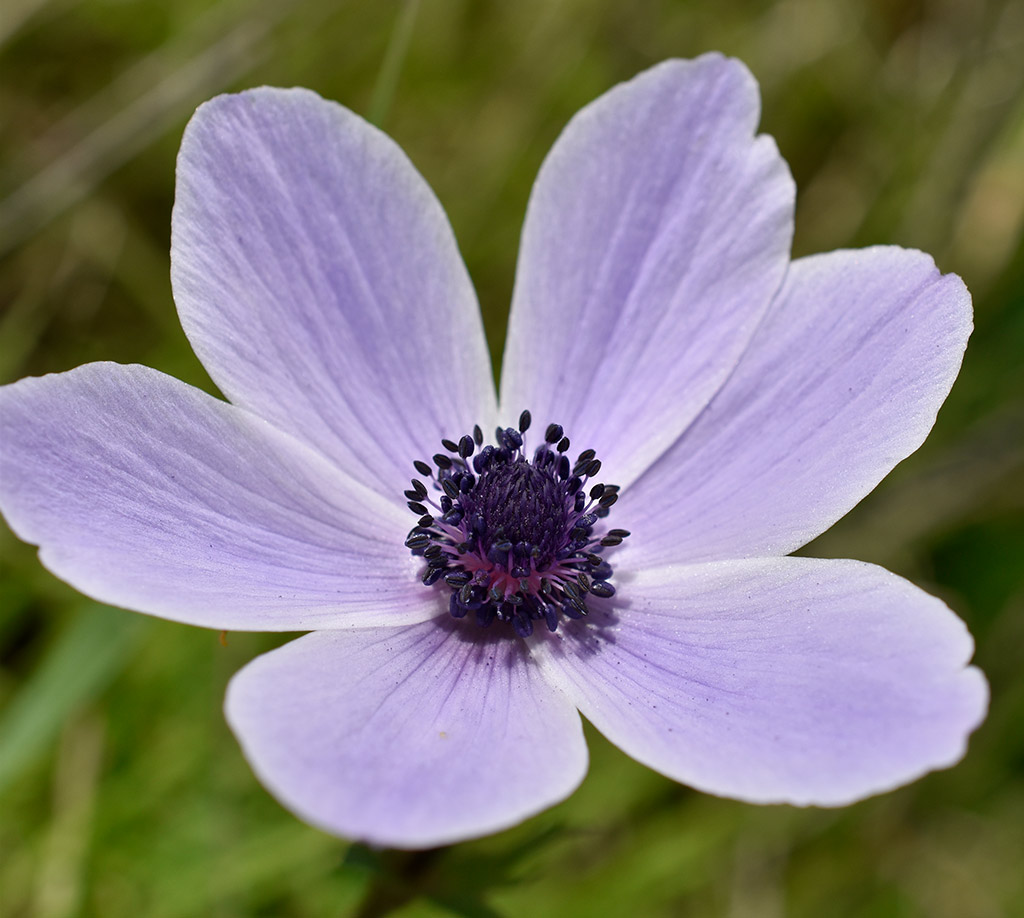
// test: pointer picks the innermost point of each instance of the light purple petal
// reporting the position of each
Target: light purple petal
(655, 237)
(319, 282)
(146, 493)
(786, 680)
(842, 381)
(408, 737)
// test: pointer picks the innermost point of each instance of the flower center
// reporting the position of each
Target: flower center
(513, 538)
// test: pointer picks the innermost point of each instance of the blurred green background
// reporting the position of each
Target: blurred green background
(122, 792)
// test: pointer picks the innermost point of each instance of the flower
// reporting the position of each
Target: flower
(742, 402)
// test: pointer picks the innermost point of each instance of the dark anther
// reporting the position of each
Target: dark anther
(563, 444)
(478, 435)
(512, 438)
(522, 624)
(602, 588)
(603, 571)
(551, 618)
(466, 446)
(450, 488)
(422, 467)
(417, 507)
(553, 434)
(442, 461)
(452, 517)
(524, 421)
(450, 445)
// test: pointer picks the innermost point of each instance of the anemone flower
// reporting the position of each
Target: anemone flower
(738, 403)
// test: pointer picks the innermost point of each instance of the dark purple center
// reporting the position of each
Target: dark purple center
(513, 538)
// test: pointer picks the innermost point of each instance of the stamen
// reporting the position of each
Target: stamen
(513, 539)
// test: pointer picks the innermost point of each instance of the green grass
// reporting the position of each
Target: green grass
(122, 792)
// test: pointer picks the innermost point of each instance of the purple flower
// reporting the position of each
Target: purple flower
(741, 403)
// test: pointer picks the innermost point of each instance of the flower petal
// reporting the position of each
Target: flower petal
(146, 493)
(657, 233)
(407, 737)
(786, 680)
(843, 380)
(319, 281)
